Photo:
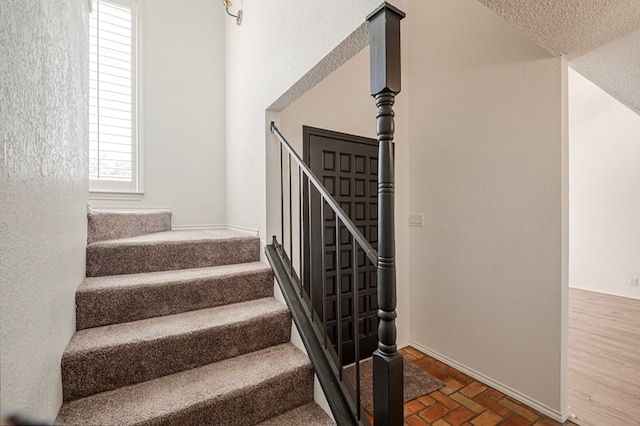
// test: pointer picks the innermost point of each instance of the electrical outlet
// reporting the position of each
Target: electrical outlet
(633, 282)
(416, 220)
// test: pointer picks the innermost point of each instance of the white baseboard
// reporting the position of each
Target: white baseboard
(518, 396)
(197, 227)
(607, 292)
(403, 344)
(129, 208)
(248, 231)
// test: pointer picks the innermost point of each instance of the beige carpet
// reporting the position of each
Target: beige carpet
(416, 382)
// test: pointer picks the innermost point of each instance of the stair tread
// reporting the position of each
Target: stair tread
(171, 250)
(107, 225)
(179, 392)
(176, 236)
(150, 329)
(112, 282)
(308, 415)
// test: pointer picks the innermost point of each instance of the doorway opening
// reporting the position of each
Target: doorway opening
(604, 256)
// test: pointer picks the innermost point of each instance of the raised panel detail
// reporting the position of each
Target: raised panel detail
(348, 168)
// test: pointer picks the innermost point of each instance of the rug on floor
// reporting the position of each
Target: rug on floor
(416, 382)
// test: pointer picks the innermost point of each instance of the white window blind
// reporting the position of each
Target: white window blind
(113, 142)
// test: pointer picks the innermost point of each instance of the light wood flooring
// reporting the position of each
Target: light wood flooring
(604, 359)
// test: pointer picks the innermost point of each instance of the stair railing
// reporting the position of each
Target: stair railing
(343, 396)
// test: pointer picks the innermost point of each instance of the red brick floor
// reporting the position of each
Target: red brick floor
(464, 401)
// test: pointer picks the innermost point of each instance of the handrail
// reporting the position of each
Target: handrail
(300, 290)
(371, 253)
(344, 397)
(336, 394)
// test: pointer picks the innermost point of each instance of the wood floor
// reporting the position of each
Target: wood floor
(604, 359)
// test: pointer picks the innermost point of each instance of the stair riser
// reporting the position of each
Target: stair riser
(121, 259)
(103, 226)
(251, 406)
(87, 373)
(114, 306)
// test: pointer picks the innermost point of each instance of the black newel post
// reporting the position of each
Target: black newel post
(384, 30)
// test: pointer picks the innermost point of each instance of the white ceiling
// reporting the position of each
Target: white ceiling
(601, 38)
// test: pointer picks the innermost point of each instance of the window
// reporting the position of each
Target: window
(114, 143)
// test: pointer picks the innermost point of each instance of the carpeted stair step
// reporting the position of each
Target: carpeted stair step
(239, 391)
(122, 298)
(307, 415)
(163, 251)
(110, 225)
(105, 358)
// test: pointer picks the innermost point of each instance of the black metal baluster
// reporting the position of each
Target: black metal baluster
(300, 239)
(310, 248)
(356, 324)
(281, 201)
(290, 221)
(338, 283)
(324, 273)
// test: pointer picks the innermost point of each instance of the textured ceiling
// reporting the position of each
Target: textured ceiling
(586, 100)
(601, 38)
(615, 68)
(570, 27)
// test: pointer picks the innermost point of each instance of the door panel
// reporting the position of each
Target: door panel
(348, 167)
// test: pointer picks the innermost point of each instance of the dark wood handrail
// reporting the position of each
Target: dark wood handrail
(371, 253)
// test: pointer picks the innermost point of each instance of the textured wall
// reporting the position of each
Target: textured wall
(43, 195)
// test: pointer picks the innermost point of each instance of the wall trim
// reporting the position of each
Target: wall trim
(197, 227)
(115, 196)
(607, 292)
(248, 231)
(507, 390)
(129, 208)
(244, 229)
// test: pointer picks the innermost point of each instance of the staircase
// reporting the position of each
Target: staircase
(181, 328)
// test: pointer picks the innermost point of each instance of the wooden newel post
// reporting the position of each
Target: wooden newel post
(384, 30)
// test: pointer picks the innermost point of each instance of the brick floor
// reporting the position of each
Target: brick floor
(464, 401)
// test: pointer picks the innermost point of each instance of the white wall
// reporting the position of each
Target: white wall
(604, 191)
(341, 102)
(183, 76)
(486, 112)
(267, 55)
(487, 140)
(43, 195)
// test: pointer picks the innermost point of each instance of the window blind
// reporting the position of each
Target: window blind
(112, 100)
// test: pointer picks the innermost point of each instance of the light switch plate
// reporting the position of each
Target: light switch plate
(416, 219)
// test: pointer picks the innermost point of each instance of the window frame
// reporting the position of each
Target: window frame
(134, 189)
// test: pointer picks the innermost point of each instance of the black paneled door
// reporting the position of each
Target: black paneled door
(348, 167)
